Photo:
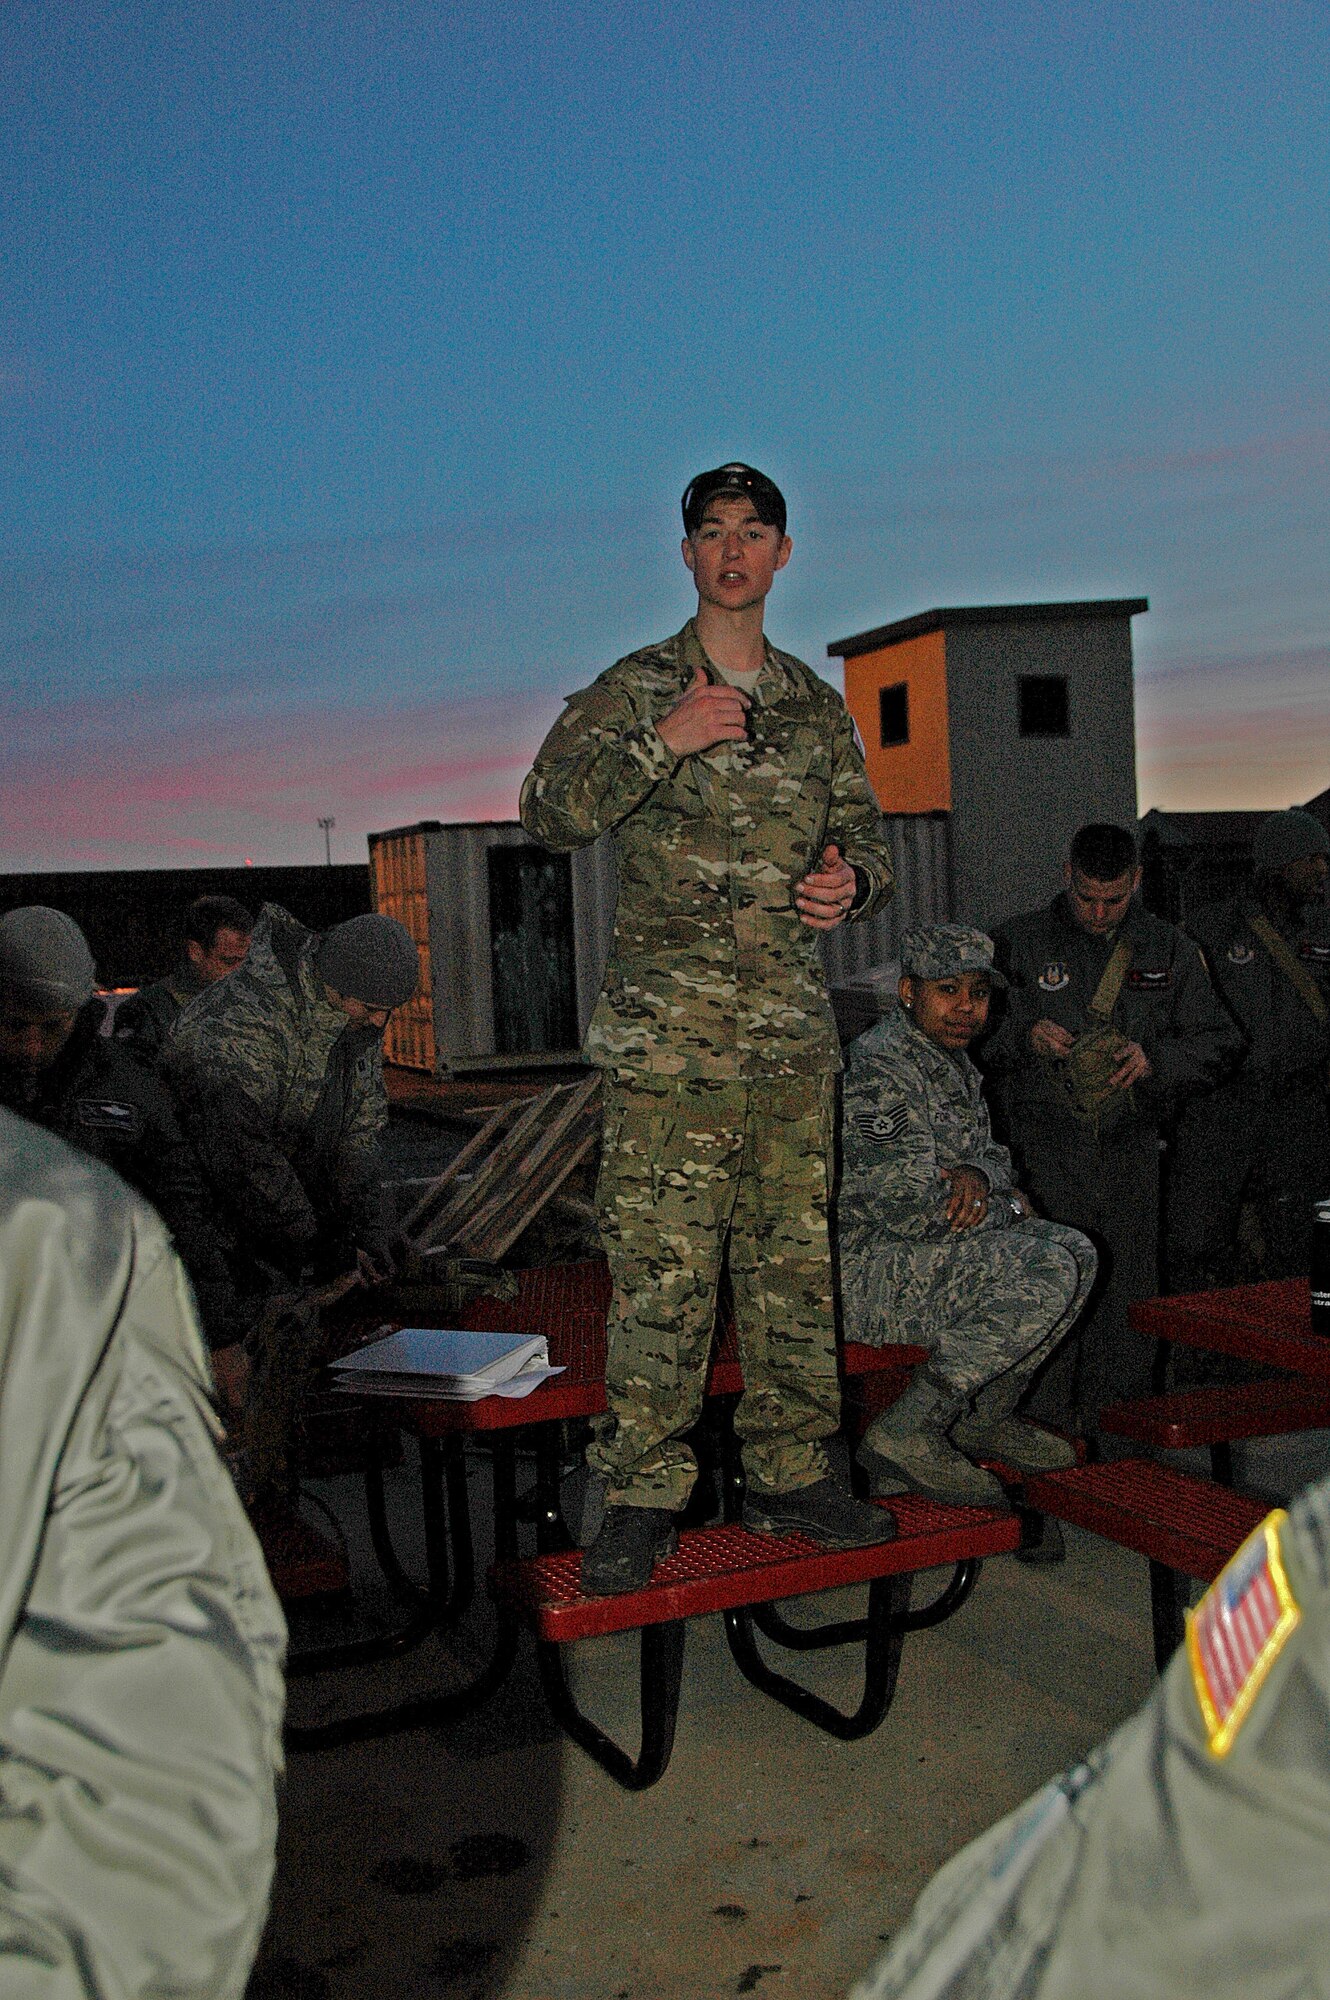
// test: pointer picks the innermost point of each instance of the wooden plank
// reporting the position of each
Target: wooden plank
(476, 1145)
(506, 1230)
(526, 1173)
(518, 1160)
(462, 1201)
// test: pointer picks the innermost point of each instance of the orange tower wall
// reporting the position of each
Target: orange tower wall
(913, 777)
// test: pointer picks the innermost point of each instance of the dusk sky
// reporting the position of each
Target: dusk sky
(353, 358)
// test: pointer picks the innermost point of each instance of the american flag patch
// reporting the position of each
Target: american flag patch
(1238, 1630)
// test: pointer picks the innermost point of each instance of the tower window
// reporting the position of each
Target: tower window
(1045, 709)
(894, 714)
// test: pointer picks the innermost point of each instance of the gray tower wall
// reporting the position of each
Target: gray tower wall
(1016, 800)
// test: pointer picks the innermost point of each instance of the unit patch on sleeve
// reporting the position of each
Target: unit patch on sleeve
(1054, 977)
(1238, 1631)
(883, 1128)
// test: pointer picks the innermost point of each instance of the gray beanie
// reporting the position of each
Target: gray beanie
(372, 959)
(1294, 835)
(45, 963)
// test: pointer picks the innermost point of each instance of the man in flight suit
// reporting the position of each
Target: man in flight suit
(58, 1069)
(744, 826)
(141, 1646)
(1111, 1023)
(216, 940)
(1187, 1855)
(1260, 1142)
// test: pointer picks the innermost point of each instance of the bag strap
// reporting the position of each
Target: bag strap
(1110, 985)
(1302, 982)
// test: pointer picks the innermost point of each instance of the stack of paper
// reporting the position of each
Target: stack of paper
(439, 1362)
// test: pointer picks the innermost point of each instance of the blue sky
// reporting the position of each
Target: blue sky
(352, 360)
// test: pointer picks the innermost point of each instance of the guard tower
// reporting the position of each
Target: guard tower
(1015, 720)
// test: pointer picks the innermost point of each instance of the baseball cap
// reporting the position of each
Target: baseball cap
(745, 482)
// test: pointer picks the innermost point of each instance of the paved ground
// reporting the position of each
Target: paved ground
(491, 1858)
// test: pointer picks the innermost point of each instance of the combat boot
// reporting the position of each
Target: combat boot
(906, 1449)
(993, 1431)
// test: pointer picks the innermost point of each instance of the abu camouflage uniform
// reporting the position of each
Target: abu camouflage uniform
(284, 1099)
(716, 1035)
(985, 1300)
(1261, 1139)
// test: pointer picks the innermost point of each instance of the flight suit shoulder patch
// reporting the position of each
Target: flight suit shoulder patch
(1055, 976)
(1238, 1631)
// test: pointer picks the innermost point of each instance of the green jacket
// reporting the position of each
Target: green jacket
(140, 1642)
(1187, 1855)
(283, 1098)
(146, 1019)
(711, 973)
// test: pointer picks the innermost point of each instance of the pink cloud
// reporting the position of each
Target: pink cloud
(1235, 733)
(247, 783)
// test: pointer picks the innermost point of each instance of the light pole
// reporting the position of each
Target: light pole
(327, 824)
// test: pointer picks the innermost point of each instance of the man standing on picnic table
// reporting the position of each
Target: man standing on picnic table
(1111, 1023)
(744, 826)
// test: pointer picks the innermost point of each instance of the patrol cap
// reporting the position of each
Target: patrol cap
(942, 951)
(372, 959)
(1295, 835)
(45, 963)
(745, 483)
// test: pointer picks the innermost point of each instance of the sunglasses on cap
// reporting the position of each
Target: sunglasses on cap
(767, 498)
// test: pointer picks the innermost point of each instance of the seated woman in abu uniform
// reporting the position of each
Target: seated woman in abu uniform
(938, 1248)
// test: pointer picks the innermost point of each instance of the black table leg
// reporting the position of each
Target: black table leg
(661, 1672)
(888, 1608)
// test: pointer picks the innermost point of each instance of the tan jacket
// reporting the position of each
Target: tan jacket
(141, 1646)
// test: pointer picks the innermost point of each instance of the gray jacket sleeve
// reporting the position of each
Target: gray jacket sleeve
(137, 1795)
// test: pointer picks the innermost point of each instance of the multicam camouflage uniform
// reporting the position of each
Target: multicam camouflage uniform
(714, 1029)
(984, 1300)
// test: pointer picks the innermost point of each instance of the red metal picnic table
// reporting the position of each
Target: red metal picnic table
(1269, 1323)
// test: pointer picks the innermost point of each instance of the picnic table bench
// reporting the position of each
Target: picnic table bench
(721, 1568)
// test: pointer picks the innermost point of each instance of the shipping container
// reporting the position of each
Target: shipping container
(513, 938)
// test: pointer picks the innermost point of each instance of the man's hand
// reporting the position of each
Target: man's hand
(230, 1372)
(967, 1203)
(704, 716)
(1134, 1065)
(824, 895)
(1050, 1039)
